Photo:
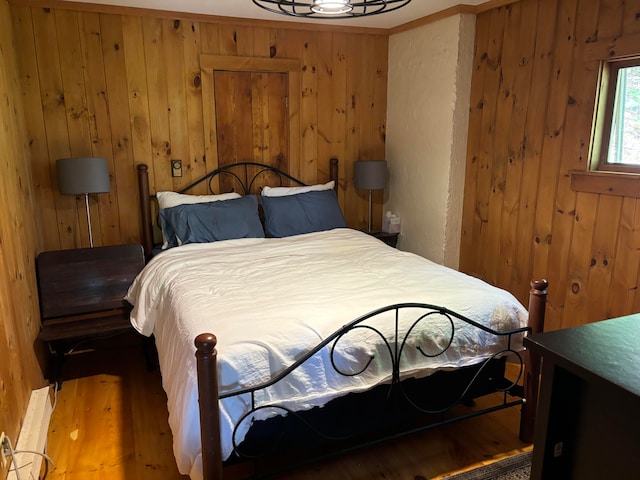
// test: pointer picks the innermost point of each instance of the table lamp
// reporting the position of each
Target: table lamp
(370, 175)
(82, 176)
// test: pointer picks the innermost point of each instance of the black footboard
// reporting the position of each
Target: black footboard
(362, 419)
(402, 405)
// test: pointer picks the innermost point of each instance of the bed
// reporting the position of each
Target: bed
(306, 322)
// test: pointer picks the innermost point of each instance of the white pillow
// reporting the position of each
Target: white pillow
(285, 191)
(173, 199)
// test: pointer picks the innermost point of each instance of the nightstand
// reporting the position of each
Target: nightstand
(82, 295)
(390, 239)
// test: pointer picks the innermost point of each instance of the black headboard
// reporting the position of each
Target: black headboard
(244, 174)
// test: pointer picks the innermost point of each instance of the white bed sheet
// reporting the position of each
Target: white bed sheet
(236, 289)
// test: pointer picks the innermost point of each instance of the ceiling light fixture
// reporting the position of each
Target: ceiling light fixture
(330, 8)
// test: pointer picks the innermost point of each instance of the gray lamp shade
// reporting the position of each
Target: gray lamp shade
(370, 174)
(83, 175)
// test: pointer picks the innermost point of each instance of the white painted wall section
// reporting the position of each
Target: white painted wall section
(429, 87)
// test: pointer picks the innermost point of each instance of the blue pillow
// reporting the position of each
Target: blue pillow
(301, 213)
(212, 221)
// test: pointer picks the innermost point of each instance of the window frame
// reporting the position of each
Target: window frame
(604, 117)
(590, 180)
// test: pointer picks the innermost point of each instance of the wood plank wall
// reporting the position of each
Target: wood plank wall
(19, 243)
(533, 96)
(129, 88)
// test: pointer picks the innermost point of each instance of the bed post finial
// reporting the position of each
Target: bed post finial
(206, 354)
(537, 304)
(333, 172)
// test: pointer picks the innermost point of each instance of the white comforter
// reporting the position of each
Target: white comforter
(269, 300)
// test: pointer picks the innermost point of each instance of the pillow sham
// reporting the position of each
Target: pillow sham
(284, 191)
(301, 213)
(212, 221)
(173, 199)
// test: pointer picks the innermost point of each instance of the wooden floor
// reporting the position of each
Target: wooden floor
(110, 422)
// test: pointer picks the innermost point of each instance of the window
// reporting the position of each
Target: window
(619, 148)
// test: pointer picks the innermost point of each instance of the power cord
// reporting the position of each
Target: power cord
(13, 457)
(44, 455)
(17, 468)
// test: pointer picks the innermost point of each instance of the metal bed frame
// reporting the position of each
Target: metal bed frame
(209, 396)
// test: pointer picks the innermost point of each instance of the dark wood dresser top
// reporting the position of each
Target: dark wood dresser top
(608, 350)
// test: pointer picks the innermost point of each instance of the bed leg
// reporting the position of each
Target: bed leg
(537, 303)
(208, 405)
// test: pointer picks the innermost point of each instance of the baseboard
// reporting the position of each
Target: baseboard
(33, 435)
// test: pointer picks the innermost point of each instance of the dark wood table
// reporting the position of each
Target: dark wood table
(588, 423)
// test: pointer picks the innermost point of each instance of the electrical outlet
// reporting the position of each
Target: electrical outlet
(176, 168)
(4, 450)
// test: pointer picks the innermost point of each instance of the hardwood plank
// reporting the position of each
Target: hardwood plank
(107, 229)
(262, 42)
(192, 77)
(209, 123)
(242, 117)
(173, 60)
(28, 81)
(471, 220)
(228, 40)
(158, 100)
(357, 209)
(20, 240)
(571, 154)
(56, 132)
(210, 39)
(243, 37)
(576, 295)
(125, 185)
(73, 82)
(627, 262)
(611, 18)
(631, 17)
(248, 64)
(309, 108)
(114, 391)
(498, 245)
(278, 43)
(554, 127)
(295, 122)
(635, 240)
(260, 117)
(277, 128)
(325, 108)
(487, 235)
(138, 96)
(378, 49)
(338, 66)
(509, 274)
(225, 93)
(526, 237)
(575, 154)
(603, 256)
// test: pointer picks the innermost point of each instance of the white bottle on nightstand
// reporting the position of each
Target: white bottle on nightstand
(391, 223)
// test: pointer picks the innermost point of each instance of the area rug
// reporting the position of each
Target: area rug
(516, 467)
